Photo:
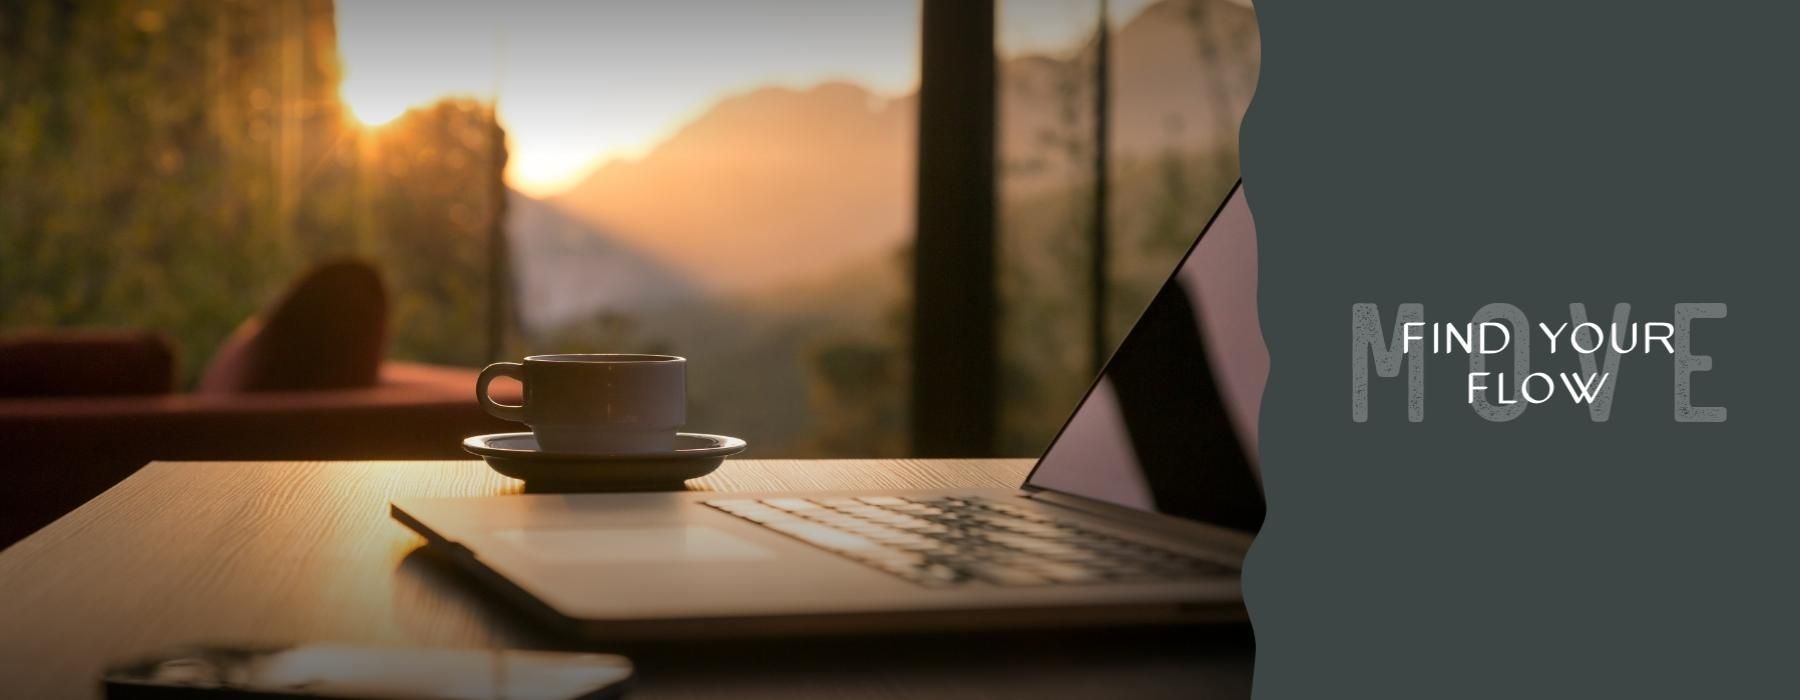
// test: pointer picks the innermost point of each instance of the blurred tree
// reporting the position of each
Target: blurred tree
(433, 204)
(171, 164)
(857, 380)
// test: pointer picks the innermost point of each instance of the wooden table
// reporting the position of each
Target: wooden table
(285, 551)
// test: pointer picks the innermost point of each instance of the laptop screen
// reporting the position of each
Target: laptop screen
(1170, 426)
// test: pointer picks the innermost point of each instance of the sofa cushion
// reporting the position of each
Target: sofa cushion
(327, 331)
(62, 363)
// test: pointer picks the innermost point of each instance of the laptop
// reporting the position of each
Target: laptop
(1140, 511)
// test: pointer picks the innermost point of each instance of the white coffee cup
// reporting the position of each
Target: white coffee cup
(595, 404)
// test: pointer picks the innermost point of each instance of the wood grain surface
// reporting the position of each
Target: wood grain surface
(277, 552)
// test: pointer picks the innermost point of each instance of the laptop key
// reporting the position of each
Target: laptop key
(792, 504)
(823, 536)
(939, 573)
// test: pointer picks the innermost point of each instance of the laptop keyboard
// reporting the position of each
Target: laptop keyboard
(947, 541)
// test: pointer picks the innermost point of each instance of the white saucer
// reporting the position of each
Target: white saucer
(517, 455)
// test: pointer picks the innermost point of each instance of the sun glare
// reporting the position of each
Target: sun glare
(390, 65)
(373, 107)
(580, 84)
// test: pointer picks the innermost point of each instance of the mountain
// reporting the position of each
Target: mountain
(765, 186)
(568, 270)
(778, 184)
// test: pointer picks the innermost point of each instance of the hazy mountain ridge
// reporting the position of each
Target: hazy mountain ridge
(779, 183)
(765, 186)
(568, 270)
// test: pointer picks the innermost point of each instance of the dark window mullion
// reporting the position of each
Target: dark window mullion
(955, 360)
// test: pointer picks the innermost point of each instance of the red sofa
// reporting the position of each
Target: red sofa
(80, 410)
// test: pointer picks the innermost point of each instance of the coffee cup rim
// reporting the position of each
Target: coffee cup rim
(604, 358)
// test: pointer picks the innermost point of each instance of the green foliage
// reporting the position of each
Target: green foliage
(173, 165)
(859, 372)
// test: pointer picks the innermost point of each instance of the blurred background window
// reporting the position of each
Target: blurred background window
(732, 181)
(1141, 118)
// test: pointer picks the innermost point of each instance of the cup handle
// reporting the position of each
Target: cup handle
(503, 411)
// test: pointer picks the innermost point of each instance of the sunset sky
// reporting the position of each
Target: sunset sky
(582, 83)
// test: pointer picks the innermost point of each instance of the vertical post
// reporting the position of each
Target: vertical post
(955, 358)
(1098, 258)
(499, 262)
(500, 287)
